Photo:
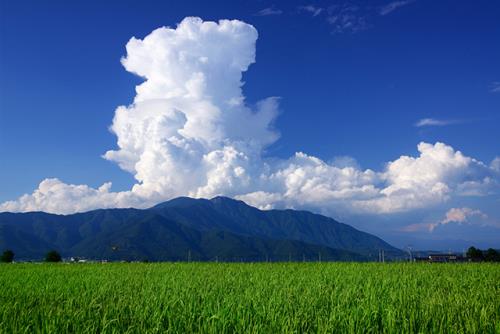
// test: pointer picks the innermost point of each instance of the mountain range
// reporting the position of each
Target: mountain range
(185, 229)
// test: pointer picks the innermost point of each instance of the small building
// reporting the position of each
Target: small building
(445, 258)
(440, 258)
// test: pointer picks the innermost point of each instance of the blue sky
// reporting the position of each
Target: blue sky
(353, 80)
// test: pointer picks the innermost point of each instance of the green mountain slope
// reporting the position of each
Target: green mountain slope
(188, 229)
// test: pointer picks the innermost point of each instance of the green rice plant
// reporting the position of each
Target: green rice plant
(250, 298)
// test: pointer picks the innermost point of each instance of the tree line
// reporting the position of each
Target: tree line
(478, 255)
(51, 256)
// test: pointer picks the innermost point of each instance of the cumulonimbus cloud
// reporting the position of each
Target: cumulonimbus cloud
(190, 132)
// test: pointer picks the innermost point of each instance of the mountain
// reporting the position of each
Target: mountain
(186, 228)
(236, 216)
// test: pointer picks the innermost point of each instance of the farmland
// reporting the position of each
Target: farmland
(260, 297)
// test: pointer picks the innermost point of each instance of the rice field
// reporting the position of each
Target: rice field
(250, 298)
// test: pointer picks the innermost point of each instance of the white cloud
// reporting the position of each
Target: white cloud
(435, 122)
(55, 196)
(479, 187)
(261, 199)
(407, 183)
(429, 179)
(459, 216)
(495, 164)
(392, 6)
(269, 11)
(345, 161)
(183, 134)
(189, 132)
(313, 10)
(495, 87)
(348, 18)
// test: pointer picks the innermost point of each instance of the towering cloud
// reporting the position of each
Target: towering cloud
(190, 132)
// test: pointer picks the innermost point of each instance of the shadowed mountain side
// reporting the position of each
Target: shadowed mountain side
(185, 228)
(113, 236)
(223, 213)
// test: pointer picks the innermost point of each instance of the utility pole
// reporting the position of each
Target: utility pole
(319, 256)
(189, 255)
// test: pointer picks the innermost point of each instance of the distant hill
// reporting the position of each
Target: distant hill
(186, 228)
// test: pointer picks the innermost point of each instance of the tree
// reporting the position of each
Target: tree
(7, 256)
(53, 256)
(492, 255)
(474, 254)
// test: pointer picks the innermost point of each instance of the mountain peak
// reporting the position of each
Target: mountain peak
(182, 201)
(226, 200)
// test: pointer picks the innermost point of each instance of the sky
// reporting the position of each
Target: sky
(381, 114)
